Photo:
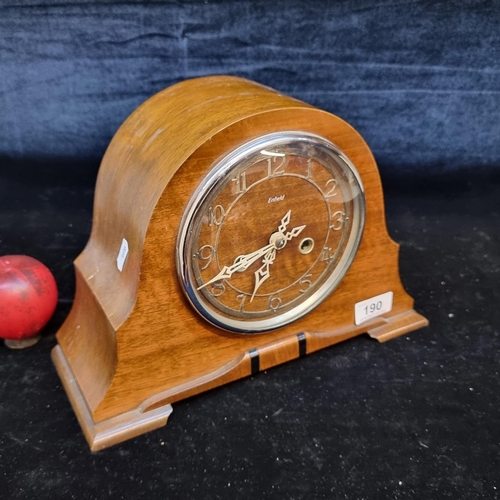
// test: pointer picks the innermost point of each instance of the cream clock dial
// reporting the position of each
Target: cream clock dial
(270, 232)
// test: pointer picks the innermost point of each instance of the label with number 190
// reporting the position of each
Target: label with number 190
(371, 308)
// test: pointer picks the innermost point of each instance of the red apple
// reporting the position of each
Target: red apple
(28, 298)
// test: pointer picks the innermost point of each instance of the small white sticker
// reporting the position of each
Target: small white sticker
(371, 308)
(122, 255)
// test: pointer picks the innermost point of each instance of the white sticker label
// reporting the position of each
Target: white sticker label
(122, 255)
(371, 308)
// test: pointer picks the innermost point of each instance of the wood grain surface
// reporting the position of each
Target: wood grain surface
(132, 340)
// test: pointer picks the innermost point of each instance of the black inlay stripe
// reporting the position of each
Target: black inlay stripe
(302, 344)
(254, 361)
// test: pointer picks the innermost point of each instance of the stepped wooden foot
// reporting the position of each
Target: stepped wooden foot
(398, 325)
(114, 430)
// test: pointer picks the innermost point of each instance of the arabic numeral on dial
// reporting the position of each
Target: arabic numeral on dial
(216, 215)
(306, 282)
(206, 254)
(331, 186)
(309, 168)
(241, 183)
(274, 167)
(274, 302)
(218, 288)
(241, 298)
(338, 219)
(326, 254)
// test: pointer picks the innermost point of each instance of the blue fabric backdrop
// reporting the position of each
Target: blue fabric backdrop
(419, 79)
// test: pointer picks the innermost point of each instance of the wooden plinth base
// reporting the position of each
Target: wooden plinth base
(141, 420)
(114, 430)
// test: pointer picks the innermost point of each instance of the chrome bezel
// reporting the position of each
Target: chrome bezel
(214, 179)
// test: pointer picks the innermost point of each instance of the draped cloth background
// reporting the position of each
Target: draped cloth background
(419, 79)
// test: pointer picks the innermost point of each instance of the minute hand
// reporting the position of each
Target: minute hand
(241, 263)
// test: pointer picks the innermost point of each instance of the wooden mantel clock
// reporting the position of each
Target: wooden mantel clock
(234, 229)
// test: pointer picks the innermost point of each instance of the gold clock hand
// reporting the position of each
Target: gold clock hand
(279, 240)
(263, 273)
(294, 232)
(245, 261)
(284, 222)
(241, 263)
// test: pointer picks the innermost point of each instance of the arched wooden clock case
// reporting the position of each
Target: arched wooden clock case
(137, 338)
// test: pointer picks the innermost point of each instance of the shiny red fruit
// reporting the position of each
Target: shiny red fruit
(28, 296)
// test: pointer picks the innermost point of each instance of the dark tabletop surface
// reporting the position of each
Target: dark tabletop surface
(417, 417)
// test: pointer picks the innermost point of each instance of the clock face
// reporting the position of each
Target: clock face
(270, 232)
